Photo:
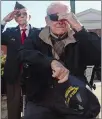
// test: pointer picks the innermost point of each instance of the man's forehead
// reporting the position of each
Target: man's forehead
(58, 9)
(23, 10)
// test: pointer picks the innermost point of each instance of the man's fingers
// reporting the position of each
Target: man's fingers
(10, 16)
(59, 71)
(62, 74)
(14, 13)
(63, 80)
(63, 16)
(55, 73)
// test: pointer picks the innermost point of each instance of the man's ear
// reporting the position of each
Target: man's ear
(47, 21)
(15, 19)
(29, 17)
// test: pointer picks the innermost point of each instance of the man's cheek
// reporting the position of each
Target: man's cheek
(16, 19)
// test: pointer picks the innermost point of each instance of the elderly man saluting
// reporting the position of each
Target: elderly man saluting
(63, 47)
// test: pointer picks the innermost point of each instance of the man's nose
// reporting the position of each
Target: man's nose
(22, 15)
(61, 22)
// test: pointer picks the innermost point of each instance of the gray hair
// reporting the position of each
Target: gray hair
(55, 5)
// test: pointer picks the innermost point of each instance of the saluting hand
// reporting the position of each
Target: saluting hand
(71, 19)
(10, 16)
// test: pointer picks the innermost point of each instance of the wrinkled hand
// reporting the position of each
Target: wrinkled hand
(59, 71)
(10, 16)
(71, 19)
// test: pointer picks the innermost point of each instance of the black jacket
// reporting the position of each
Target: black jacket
(38, 53)
(11, 37)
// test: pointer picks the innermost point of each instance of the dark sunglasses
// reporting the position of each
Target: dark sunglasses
(19, 14)
(53, 17)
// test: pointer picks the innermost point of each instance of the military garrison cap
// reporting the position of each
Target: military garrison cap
(18, 6)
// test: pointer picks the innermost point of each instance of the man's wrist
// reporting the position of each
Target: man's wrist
(77, 27)
(3, 22)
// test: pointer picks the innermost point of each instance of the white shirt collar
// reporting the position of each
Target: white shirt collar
(27, 27)
(27, 31)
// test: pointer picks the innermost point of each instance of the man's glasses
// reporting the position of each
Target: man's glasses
(53, 17)
(19, 14)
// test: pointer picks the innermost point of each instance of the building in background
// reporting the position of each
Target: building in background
(91, 19)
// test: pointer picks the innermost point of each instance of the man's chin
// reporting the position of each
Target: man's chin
(60, 33)
(23, 23)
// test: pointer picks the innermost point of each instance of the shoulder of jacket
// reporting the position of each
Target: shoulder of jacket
(10, 28)
(38, 30)
(93, 33)
(35, 33)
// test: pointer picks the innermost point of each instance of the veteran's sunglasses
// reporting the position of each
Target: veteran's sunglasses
(53, 17)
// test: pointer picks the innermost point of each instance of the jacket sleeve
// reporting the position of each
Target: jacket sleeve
(89, 46)
(4, 35)
(31, 54)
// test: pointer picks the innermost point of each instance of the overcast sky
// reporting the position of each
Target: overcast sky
(38, 9)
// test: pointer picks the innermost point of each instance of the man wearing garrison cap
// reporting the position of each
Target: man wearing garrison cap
(13, 38)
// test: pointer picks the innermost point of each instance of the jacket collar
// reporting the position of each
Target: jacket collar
(27, 27)
(19, 28)
(45, 36)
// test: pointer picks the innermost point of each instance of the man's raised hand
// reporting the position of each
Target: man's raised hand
(59, 71)
(10, 16)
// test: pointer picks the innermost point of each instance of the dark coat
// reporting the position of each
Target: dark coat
(38, 53)
(11, 37)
